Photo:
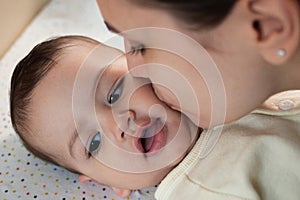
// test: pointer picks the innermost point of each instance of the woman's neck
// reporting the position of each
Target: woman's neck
(289, 74)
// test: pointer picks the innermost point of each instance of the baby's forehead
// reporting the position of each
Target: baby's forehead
(52, 98)
(96, 59)
(100, 53)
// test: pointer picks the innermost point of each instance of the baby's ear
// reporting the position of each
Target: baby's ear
(121, 192)
(83, 178)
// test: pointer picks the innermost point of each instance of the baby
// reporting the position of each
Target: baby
(129, 123)
(74, 103)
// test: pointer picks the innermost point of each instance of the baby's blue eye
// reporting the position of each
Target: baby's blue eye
(116, 92)
(95, 144)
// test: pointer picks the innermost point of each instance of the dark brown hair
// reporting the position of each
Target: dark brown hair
(27, 75)
(194, 13)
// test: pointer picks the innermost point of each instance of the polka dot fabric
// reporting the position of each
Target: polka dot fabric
(22, 175)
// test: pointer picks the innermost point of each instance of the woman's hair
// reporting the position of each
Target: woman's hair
(27, 75)
(195, 14)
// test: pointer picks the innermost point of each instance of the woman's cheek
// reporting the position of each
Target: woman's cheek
(166, 96)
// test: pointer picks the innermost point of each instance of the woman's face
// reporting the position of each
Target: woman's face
(108, 126)
(246, 78)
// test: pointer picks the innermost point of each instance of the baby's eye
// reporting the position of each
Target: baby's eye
(95, 144)
(137, 49)
(116, 92)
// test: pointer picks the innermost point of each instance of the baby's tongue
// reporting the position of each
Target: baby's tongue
(149, 142)
(148, 139)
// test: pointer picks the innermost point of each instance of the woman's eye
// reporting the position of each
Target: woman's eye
(116, 92)
(95, 144)
(137, 49)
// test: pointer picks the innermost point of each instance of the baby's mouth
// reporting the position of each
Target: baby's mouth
(153, 138)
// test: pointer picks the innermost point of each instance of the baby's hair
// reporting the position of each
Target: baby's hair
(27, 75)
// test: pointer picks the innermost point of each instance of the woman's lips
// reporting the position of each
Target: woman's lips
(152, 139)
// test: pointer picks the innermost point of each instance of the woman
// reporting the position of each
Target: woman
(254, 44)
(255, 49)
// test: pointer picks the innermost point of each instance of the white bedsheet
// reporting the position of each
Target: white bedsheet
(22, 176)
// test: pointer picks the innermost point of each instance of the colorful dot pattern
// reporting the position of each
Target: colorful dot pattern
(22, 175)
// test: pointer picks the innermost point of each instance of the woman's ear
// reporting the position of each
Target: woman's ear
(276, 23)
(83, 178)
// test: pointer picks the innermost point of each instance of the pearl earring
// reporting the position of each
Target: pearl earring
(281, 52)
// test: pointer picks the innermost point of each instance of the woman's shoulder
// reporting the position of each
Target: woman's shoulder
(282, 104)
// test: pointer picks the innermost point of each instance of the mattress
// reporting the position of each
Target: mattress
(22, 175)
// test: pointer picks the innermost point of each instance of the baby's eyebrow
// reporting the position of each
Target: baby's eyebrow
(72, 141)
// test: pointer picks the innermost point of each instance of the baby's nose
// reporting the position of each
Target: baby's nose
(126, 122)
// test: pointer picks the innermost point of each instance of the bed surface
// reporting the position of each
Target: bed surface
(23, 176)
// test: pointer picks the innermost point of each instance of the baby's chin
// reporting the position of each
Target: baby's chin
(150, 179)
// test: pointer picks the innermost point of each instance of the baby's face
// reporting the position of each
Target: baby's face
(105, 124)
